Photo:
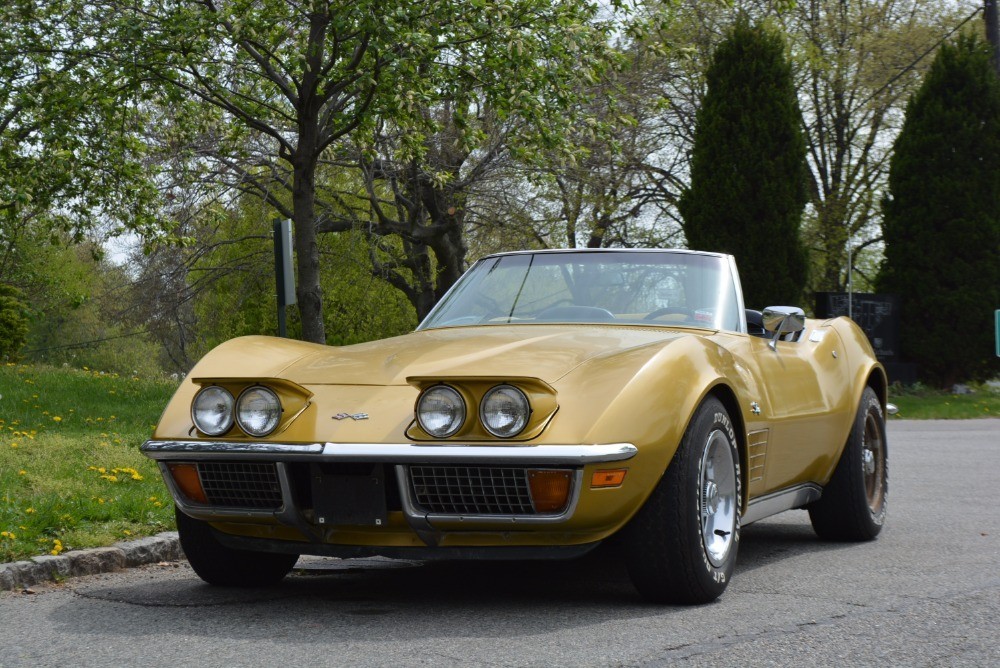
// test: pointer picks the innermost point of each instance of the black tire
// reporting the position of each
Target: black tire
(219, 565)
(854, 502)
(667, 555)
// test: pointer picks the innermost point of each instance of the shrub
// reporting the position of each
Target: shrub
(13, 322)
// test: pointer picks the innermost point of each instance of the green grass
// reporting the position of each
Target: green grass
(71, 473)
(920, 403)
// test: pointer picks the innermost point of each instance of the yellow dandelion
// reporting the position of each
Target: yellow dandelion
(22, 472)
(126, 532)
(29, 511)
(56, 418)
(8, 535)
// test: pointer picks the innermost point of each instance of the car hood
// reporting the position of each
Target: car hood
(537, 351)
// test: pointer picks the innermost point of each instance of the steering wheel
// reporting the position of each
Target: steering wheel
(670, 310)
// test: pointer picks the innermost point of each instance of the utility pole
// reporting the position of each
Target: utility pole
(992, 31)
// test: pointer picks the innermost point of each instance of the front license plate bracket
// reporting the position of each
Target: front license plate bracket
(355, 498)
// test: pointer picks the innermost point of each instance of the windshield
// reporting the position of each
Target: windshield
(654, 288)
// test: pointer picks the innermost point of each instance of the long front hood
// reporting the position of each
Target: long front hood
(539, 351)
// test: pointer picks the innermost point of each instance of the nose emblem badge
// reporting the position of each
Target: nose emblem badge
(353, 416)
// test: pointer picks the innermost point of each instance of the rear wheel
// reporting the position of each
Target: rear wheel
(854, 502)
(682, 544)
(219, 565)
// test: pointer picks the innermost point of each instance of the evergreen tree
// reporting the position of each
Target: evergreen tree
(942, 217)
(748, 167)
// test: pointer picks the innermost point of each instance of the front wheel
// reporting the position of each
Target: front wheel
(854, 502)
(681, 546)
(219, 565)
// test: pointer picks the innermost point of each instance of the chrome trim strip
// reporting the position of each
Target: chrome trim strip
(246, 449)
(786, 499)
(410, 453)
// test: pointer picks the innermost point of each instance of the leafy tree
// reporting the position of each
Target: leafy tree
(63, 168)
(942, 217)
(269, 92)
(748, 171)
(854, 65)
(194, 296)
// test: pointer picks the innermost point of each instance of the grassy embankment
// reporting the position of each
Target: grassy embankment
(71, 475)
(920, 403)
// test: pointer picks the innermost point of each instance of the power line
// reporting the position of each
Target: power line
(926, 53)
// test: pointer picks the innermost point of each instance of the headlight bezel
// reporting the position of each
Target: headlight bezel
(230, 416)
(460, 403)
(522, 421)
(272, 423)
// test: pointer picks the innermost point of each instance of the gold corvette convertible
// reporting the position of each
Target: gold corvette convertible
(550, 401)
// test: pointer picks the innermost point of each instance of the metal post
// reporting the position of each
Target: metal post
(850, 280)
(990, 17)
(279, 278)
(284, 276)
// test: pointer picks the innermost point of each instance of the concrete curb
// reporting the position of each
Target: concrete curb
(162, 547)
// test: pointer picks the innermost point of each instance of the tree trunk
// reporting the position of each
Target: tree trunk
(307, 250)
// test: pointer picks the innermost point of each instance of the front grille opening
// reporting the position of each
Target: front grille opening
(471, 490)
(241, 484)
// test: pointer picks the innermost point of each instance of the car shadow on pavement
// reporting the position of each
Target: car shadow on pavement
(362, 598)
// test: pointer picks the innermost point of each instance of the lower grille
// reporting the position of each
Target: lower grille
(472, 490)
(240, 484)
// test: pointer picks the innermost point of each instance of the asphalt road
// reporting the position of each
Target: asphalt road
(926, 593)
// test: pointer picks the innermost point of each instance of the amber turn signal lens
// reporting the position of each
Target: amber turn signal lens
(608, 478)
(186, 477)
(549, 489)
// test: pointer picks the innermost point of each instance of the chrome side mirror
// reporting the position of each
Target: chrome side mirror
(783, 320)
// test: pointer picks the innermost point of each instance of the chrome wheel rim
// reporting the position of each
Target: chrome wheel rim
(717, 498)
(873, 462)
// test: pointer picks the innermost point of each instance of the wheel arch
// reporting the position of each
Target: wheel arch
(725, 394)
(878, 381)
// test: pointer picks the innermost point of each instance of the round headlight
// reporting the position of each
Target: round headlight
(212, 410)
(504, 411)
(441, 411)
(258, 411)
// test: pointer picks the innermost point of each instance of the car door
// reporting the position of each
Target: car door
(803, 383)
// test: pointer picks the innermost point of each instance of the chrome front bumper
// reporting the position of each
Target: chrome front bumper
(392, 453)
(428, 526)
